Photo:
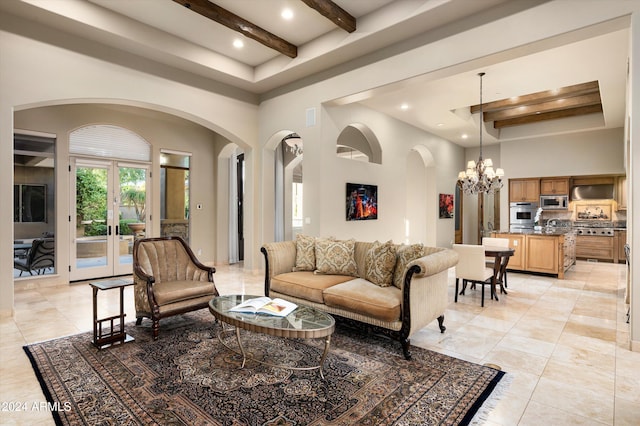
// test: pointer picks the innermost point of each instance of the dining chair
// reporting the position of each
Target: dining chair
(471, 268)
(496, 242)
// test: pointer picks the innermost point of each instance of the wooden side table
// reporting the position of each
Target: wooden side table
(105, 336)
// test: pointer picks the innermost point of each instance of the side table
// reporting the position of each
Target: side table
(114, 333)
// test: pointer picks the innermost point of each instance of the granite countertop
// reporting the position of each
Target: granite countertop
(554, 233)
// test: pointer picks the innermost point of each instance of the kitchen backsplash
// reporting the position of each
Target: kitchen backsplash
(588, 210)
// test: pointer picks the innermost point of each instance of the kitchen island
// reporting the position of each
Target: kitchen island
(549, 252)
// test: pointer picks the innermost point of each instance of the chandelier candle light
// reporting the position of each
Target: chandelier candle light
(480, 177)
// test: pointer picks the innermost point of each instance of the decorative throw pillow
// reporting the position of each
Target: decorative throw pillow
(305, 253)
(405, 254)
(380, 262)
(336, 257)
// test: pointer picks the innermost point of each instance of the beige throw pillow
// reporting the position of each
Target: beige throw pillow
(380, 262)
(305, 253)
(336, 257)
(405, 254)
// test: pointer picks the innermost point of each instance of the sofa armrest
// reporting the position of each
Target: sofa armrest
(434, 263)
(279, 257)
(425, 292)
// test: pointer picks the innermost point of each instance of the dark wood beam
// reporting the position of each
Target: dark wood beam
(577, 89)
(548, 116)
(544, 107)
(334, 13)
(236, 23)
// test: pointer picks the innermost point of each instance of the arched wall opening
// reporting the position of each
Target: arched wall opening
(357, 141)
(421, 213)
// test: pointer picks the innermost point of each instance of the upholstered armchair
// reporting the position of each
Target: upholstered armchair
(169, 280)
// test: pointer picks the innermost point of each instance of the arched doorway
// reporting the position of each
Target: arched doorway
(109, 187)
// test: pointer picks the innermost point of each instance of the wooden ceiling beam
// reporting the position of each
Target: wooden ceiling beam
(544, 107)
(334, 13)
(538, 97)
(592, 109)
(236, 23)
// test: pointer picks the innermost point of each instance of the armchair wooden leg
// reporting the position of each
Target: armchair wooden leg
(139, 320)
(441, 323)
(482, 303)
(405, 348)
(156, 329)
(456, 296)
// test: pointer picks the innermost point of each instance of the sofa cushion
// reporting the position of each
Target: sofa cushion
(380, 262)
(404, 255)
(305, 253)
(174, 291)
(336, 257)
(305, 285)
(363, 297)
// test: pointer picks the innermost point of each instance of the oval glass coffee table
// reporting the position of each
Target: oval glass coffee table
(304, 322)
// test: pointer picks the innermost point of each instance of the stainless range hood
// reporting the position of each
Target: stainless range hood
(592, 192)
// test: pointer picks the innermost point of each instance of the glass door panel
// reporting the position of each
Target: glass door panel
(91, 249)
(131, 213)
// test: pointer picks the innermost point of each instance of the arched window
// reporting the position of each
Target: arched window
(108, 141)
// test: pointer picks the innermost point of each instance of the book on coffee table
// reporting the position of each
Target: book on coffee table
(265, 305)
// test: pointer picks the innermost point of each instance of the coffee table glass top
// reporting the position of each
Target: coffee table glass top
(302, 319)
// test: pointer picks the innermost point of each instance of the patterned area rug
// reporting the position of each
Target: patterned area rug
(187, 377)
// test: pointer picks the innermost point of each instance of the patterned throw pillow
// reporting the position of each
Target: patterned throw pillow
(305, 253)
(405, 254)
(336, 257)
(380, 262)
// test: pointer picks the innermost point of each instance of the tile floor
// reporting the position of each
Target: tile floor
(563, 343)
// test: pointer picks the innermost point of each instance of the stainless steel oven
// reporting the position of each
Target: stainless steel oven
(522, 215)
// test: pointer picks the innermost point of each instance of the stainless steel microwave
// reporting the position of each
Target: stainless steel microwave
(554, 202)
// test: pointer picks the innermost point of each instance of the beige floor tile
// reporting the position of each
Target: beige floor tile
(537, 414)
(626, 413)
(574, 400)
(584, 357)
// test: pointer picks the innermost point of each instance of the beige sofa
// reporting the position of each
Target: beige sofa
(415, 296)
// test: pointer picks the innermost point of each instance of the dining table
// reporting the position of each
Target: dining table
(501, 257)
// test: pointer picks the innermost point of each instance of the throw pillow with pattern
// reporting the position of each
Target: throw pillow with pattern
(305, 253)
(405, 254)
(380, 262)
(336, 257)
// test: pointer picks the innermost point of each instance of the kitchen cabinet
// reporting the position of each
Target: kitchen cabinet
(621, 240)
(516, 242)
(551, 254)
(621, 193)
(541, 254)
(595, 247)
(554, 186)
(524, 190)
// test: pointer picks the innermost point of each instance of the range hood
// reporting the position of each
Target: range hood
(592, 192)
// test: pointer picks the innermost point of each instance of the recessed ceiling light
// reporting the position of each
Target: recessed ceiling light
(238, 44)
(465, 136)
(287, 14)
(440, 124)
(404, 107)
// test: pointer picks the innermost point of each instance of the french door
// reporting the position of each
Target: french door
(108, 202)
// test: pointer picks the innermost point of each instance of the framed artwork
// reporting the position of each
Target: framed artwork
(362, 202)
(446, 206)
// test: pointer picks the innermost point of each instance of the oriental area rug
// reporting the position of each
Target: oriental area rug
(187, 377)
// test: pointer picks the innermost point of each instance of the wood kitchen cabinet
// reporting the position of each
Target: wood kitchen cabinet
(554, 186)
(621, 193)
(541, 254)
(551, 254)
(621, 237)
(524, 190)
(516, 242)
(595, 247)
